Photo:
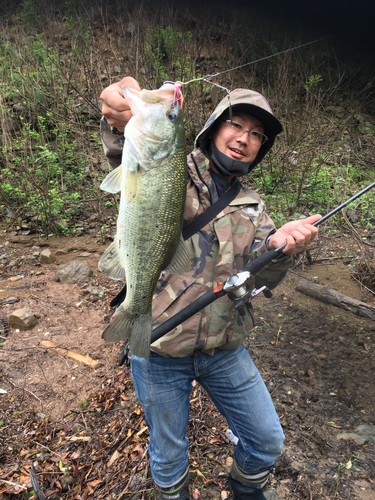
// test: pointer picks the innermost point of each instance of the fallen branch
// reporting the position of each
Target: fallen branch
(75, 355)
(13, 484)
(349, 257)
(23, 389)
(337, 299)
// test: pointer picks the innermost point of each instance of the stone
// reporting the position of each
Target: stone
(16, 278)
(271, 495)
(94, 290)
(11, 300)
(60, 252)
(21, 240)
(34, 249)
(361, 434)
(105, 167)
(23, 319)
(74, 271)
(47, 257)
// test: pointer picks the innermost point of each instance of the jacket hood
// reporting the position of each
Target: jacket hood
(244, 101)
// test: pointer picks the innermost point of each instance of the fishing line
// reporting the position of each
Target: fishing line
(208, 77)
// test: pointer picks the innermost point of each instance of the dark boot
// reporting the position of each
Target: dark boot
(176, 491)
(248, 486)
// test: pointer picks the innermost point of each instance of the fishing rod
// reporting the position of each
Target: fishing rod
(239, 287)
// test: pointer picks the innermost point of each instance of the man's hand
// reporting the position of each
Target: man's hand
(114, 106)
(297, 234)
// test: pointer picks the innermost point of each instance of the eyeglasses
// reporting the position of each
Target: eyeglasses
(255, 137)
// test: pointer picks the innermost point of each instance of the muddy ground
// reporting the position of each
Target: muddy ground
(317, 361)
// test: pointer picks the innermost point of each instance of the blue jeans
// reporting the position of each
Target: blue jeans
(235, 386)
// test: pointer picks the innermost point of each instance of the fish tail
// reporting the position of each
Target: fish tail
(140, 336)
(119, 327)
(137, 329)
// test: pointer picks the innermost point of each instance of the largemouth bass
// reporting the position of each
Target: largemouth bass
(152, 180)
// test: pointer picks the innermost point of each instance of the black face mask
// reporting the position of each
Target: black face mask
(228, 166)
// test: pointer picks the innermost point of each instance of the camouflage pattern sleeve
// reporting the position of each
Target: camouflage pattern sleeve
(112, 141)
(273, 274)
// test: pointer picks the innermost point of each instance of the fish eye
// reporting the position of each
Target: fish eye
(171, 115)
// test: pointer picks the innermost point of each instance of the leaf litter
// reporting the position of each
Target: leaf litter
(84, 430)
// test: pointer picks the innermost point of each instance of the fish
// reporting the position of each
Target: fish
(152, 181)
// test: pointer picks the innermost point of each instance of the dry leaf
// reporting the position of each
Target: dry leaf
(196, 494)
(94, 483)
(113, 458)
(145, 428)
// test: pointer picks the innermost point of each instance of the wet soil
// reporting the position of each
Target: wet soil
(317, 361)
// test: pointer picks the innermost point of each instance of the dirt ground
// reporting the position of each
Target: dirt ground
(317, 361)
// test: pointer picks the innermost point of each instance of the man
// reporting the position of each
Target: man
(208, 346)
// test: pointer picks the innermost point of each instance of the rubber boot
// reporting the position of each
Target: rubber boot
(178, 490)
(247, 486)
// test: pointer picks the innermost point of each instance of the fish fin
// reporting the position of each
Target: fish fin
(135, 328)
(112, 183)
(140, 336)
(131, 185)
(119, 326)
(110, 263)
(180, 262)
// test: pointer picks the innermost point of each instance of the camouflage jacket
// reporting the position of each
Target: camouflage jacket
(235, 236)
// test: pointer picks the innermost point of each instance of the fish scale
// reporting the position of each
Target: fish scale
(159, 226)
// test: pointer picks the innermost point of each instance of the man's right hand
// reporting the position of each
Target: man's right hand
(114, 106)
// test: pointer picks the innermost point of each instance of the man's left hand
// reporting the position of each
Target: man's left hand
(297, 234)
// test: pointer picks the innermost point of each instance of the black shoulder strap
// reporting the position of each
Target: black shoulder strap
(212, 211)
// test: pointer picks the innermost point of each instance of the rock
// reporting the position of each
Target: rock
(34, 249)
(47, 257)
(21, 240)
(75, 271)
(61, 252)
(105, 167)
(11, 300)
(16, 278)
(23, 319)
(94, 290)
(362, 434)
(271, 495)
(85, 254)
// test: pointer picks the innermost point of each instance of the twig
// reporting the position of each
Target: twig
(23, 389)
(46, 447)
(13, 484)
(308, 485)
(125, 490)
(300, 275)
(354, 231)
(335, 258)
(277, 336)
(364, 286)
